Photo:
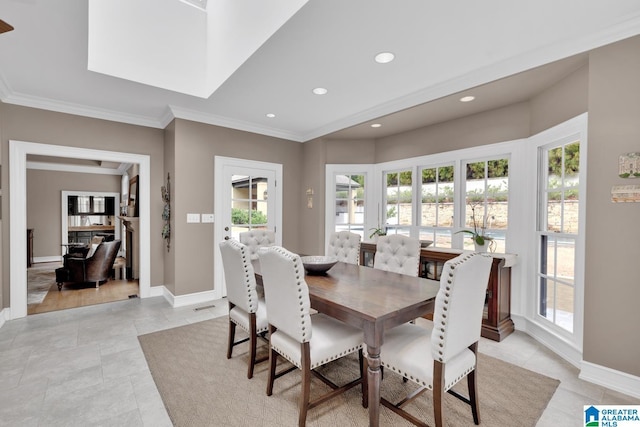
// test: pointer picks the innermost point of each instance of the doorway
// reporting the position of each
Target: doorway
(18, 151)
(247, 196)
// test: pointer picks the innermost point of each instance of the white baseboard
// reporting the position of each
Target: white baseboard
(157, 291)
(189, 299)
(610, 378)
(601, 375)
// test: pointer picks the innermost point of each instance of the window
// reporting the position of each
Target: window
(558, 224)
(398, 202)
(350, 203)
(249, 197)
(487, 201)
(437, 205)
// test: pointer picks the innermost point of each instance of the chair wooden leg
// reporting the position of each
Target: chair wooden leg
(438, 392)
(253, 337)
(473, 396)
(306, 384)
(273, 358)
(365, 383)
(472, 384)
(232, 337)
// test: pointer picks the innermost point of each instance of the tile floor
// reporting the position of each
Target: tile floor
(84, 367)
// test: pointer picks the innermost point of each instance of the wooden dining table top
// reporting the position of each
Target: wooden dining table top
(367, 293)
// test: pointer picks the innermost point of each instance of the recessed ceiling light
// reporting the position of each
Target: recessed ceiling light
(376, 125)
(467, 98)
(384, 57)
(320, 91)
(270, 115)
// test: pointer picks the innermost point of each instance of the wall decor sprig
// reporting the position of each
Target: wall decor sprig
(166, 212)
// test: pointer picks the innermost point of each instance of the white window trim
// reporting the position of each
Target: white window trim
(568, 345)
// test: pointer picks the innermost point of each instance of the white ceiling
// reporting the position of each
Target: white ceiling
(441, 48)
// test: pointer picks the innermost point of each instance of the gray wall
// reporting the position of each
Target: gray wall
(612, 288)
(34, 125)
(196, 146)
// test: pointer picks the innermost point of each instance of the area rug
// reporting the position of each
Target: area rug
(201, 387)
(39, 281)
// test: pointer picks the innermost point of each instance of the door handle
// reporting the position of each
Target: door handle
(226, 237)
(226, 229)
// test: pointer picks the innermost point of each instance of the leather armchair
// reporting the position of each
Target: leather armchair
(96, 268)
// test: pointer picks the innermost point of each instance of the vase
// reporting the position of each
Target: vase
(482, 248)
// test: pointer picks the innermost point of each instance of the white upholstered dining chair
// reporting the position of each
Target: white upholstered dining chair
(256, 239)
(246, 309)
(439, 356)
(397, 253)
(305, 341)
(345, 246)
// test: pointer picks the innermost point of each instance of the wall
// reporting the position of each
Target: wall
(43, 203)
(566, 99)
(41, 126)
(502, 124)
(197, 145)
(612, 284)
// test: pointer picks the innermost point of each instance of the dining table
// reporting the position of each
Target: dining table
(374, 301)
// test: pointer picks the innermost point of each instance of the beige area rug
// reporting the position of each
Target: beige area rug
(40, 277)
(200, 387)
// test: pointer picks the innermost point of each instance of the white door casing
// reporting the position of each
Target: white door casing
(18, 151)
(225, 168)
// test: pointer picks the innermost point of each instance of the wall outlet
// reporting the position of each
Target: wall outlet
(193, 218)
(207, 218)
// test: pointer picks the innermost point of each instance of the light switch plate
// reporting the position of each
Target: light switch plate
(207, 217)
(193, 218)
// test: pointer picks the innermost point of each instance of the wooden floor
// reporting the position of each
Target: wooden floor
(76, 295)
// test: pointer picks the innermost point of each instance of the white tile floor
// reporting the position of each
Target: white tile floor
(84, 367)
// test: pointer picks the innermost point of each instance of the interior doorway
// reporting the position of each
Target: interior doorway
(18, 151)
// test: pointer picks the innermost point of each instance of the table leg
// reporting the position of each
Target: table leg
(373, 379)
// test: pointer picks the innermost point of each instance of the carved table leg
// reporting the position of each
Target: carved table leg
(373, 379)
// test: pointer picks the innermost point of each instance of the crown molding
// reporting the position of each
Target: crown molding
(25, 100)
(212, 119)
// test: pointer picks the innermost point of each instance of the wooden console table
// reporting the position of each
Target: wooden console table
(496, 321)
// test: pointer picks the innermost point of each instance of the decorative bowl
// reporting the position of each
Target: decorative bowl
(318, 264)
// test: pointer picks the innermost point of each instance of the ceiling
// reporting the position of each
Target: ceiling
(441, 48)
